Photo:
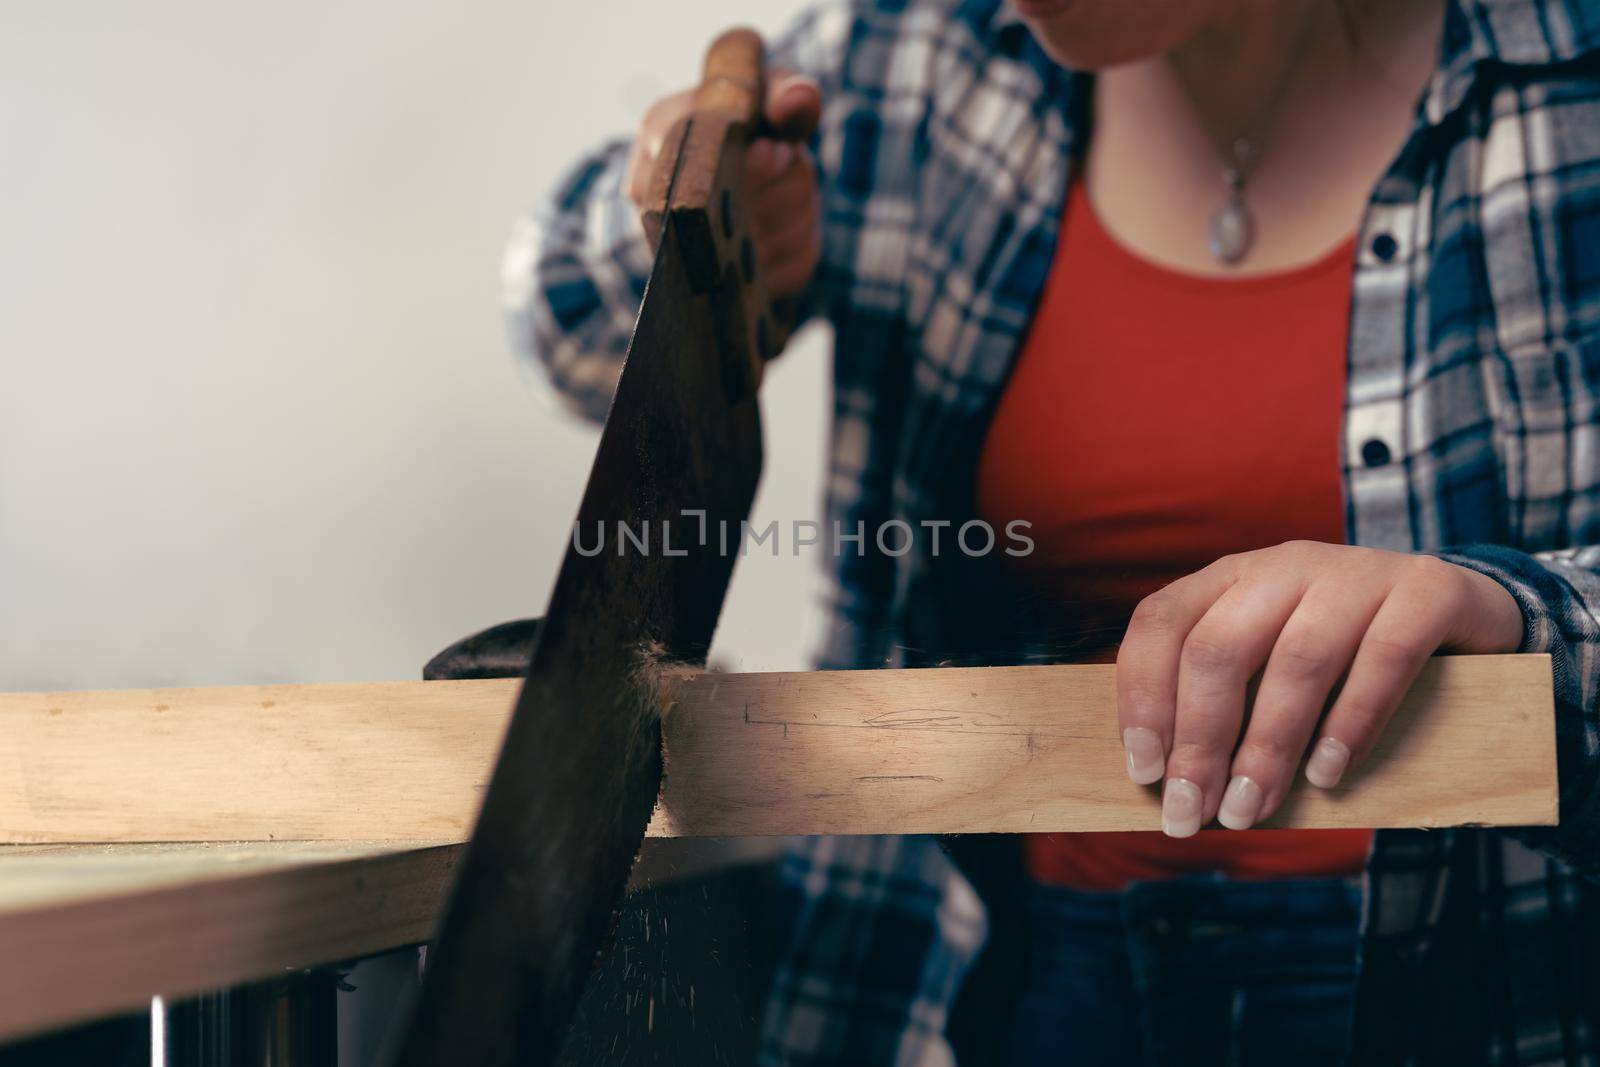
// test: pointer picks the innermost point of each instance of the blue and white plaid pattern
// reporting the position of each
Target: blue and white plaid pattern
(1471, 430)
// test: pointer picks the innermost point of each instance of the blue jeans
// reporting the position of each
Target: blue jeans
(1197, 972)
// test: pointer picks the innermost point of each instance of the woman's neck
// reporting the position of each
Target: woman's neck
(1238, 62)
(1323, 124)
(1236, 67)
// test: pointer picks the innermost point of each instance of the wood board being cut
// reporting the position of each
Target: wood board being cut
(947, 750)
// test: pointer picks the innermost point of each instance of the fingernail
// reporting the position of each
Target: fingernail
(1327, 763)
(1180, 808)
(1146, 761)
(793, 81)
(1241, 804)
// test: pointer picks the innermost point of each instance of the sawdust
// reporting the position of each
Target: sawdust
(660, 677)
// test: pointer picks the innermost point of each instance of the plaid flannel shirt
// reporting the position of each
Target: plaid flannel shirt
(1471, 430)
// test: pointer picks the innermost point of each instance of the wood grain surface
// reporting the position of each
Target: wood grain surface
(1036, 749)
(106, 927)
(94, 930)
(947, 750)
(386, 761)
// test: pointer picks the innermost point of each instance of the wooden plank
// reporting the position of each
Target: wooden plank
(1000, 749)
(104, 928)
(107, 927)
(1036, 749)
(389, 761)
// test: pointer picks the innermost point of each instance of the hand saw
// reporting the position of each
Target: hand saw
(678, 462)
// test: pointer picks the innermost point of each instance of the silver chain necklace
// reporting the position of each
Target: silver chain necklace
(1232, 229)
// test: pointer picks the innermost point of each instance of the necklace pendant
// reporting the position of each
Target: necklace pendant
(1232, 229)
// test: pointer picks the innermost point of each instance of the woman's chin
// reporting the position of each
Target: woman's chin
(1093, 34)
(1078, 52)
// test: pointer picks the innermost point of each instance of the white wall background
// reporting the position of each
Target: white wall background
(258, 417)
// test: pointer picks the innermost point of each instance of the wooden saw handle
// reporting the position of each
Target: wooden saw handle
(699, 184)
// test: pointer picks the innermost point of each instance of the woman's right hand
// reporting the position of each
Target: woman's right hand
(780, 177)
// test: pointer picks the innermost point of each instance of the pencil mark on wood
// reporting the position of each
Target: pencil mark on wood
(898, 778)
(987, 726)
(912, 718)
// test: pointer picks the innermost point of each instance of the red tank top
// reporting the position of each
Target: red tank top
(1155, 421)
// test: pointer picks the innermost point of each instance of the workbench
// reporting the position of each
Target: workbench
(337, 786)
(104, 928)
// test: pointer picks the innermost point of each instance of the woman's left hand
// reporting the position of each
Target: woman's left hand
(1306, 617)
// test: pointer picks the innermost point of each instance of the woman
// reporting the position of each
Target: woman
(1281, 321)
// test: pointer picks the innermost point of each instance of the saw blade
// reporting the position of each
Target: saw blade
(578, 776)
